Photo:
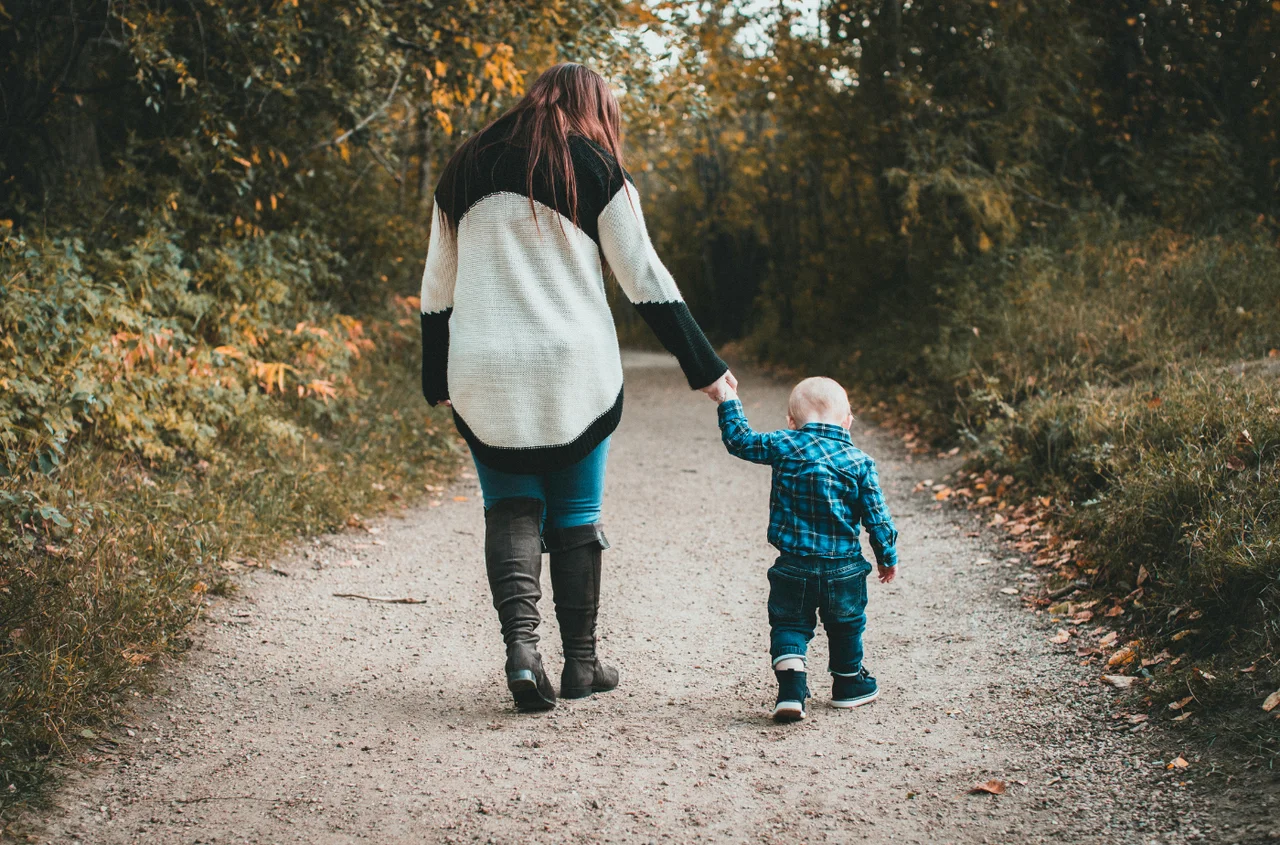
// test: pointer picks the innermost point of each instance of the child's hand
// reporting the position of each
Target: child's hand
(886, 573)
(723, 389)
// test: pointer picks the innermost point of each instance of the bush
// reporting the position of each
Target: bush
(167, 418)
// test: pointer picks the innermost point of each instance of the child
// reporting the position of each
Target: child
(823, 487)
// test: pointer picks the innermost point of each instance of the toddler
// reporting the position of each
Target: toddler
(823, 488)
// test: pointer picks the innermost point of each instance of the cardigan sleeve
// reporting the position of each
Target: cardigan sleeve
(438, 279)
(624, 240)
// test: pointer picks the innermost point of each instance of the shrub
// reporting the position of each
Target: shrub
(167, 417)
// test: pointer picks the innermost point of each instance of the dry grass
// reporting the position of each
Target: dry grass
(88, 606)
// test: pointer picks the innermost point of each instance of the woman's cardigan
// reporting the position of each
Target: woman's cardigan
(516, 328)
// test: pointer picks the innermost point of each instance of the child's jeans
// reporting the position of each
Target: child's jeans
(800, 588)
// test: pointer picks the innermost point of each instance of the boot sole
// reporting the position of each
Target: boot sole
(788, 711)
(583, 693)
(524, 688)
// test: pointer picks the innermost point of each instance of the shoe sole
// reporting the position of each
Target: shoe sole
(788, 711)
(850, 703)
(524, 688)
(583, 693)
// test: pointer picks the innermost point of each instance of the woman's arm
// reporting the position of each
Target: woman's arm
(438, 279)
(624, 240)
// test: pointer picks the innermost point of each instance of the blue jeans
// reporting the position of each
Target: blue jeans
(570, 497)
(802, 587)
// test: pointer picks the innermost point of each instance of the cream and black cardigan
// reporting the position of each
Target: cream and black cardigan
(516, 329)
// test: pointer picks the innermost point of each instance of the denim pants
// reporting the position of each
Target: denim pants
(570, 497)
(802, 587)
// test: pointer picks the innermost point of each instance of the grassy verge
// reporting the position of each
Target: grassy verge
(168, 420)
(87, 609)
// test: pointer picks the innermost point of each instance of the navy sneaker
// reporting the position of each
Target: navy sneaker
(849, 691)
(793, 689)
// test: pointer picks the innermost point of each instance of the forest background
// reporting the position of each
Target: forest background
(1045, 233)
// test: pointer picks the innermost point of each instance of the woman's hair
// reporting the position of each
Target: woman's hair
(567, 99)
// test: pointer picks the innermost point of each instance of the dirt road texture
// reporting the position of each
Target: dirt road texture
(301, 716)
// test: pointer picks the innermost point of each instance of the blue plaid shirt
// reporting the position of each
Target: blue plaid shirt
(823, 487)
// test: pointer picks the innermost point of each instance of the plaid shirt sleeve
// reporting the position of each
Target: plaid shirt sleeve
(740, 439)
(876, 518)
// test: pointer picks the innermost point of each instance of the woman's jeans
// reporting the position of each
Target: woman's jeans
(802, 587)
(570, 497)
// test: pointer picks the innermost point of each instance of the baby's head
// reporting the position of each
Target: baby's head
(819, 400)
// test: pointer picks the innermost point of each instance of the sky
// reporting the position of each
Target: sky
(763, 11)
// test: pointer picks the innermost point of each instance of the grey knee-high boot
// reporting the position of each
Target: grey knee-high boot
(575, 580)
(513, 559)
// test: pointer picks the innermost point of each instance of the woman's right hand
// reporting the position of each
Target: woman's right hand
(723, 388)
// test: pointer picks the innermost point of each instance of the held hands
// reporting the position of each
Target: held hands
(886, 573)
(722, 389)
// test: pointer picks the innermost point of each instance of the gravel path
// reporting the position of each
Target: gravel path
(302, 717)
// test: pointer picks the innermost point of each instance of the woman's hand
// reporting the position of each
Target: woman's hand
(723, 388)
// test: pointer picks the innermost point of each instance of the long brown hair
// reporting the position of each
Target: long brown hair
(567, 99)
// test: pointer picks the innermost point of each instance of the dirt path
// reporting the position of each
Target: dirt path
(301, 717)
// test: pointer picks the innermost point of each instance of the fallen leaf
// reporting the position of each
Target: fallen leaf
(1235, 464)
(1109, 640)
(1137, 718)
(1183, 717)
(1061, 637)
(1143, 575)
(1122, 657)
(1244, 440)
(1179, 762)
(991, 787)
(1009, 591)
(1082, 617)
(1115, 611)
(1182, 702)
(460, 498)
(1248, 669)
(1272, 701)
(1120, 681)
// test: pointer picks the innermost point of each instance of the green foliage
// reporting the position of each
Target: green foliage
(1109, 383)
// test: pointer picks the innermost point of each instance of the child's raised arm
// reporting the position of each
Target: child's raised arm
(740, 439)
(878, 522)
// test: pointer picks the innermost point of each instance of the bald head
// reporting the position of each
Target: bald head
(818, 400)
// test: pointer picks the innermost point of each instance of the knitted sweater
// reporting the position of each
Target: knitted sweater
(516, 328)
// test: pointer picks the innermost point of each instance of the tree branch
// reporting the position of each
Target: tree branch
(342, 139)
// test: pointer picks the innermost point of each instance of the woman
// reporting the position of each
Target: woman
(517, 336)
